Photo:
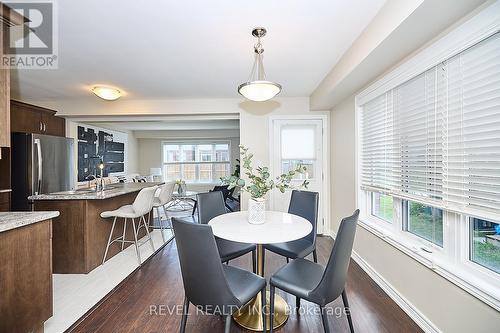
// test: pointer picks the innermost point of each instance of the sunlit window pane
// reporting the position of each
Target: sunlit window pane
(485, 243)
(172, 171)
(188, 153)
(221, 170)
(287, 165)
(189, 172)
(425, 221)
(191, 162)
(382, 206)
(205, 172)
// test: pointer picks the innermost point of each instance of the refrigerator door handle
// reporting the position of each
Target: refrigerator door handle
(39, 166)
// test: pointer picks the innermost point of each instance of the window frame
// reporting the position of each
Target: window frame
(197, 163)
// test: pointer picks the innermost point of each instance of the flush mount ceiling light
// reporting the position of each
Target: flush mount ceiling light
(107, 93)
(258, 88)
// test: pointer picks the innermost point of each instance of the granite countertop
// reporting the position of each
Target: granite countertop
(110, 191)
(13, 220)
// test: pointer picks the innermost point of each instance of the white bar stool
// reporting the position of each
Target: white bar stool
(142, 205)
(161, 200)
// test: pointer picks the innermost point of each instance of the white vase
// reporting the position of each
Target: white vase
(256, 211)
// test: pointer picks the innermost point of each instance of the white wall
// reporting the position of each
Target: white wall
(449, 307)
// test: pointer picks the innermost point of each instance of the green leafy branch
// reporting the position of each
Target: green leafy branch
(260, 181)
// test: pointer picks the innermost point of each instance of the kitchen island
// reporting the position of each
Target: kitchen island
(25, 271)
(80, 234)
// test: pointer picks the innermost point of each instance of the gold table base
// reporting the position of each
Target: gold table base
(250, 316)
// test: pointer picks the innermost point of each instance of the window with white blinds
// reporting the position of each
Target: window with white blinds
(436, 138)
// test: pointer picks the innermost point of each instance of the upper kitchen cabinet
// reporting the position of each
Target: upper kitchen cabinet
(29, 118)
(8, 18)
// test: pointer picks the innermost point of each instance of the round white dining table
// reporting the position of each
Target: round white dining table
(278, 227)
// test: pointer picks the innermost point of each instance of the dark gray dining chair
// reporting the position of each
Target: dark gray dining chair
(208, 284)
(317, 284)
(304, 204)
(210, 205)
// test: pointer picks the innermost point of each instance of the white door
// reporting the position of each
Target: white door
(294, 142)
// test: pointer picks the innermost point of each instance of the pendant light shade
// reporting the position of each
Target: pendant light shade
(259, 91)
(258, 88)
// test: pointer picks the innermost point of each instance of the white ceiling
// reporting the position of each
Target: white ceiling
(193, 49)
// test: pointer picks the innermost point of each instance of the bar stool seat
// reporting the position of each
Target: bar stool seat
(142, 205)
(164, 197)
(124, 211)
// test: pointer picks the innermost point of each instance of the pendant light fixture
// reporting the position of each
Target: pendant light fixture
(258, 88)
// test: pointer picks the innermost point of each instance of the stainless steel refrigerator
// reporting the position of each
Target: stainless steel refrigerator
(40, 164)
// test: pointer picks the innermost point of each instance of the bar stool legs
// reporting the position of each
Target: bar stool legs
(161, 223)
(141, 223)
(136, 243)
(124, 230)
(109, 240)
(147, 232)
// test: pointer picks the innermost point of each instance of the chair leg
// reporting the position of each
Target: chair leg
(271, 308)
(347, 310)
(147, 232)
(315, 256)
(254, 262)
(297, 304)
(324, 317)
(227, 326)
(263, 260)
(109, 240)
(263, 300)
(194, 207)
(287, 260)
(135, 242)
(185, 310)
(124, 230)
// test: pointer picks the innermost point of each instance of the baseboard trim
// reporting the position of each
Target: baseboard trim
(422, 321)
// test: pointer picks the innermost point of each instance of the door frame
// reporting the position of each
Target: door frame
(324, 227)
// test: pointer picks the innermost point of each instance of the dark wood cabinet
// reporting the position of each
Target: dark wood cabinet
(53, 125)
(26, 278)
(8, 18)
(29, 118)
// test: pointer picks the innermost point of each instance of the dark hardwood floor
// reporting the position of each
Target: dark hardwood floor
(142, 302)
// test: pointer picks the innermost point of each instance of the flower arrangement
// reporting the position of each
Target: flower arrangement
(260, 181)
(181, 186)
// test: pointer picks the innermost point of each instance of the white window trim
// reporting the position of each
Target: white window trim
(198, 142)
(452, 261)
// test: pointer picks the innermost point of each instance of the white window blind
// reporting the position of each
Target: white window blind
(436, 138)
(379, 156)
(297, 142)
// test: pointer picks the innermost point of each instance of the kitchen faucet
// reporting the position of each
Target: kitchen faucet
(94, 178)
